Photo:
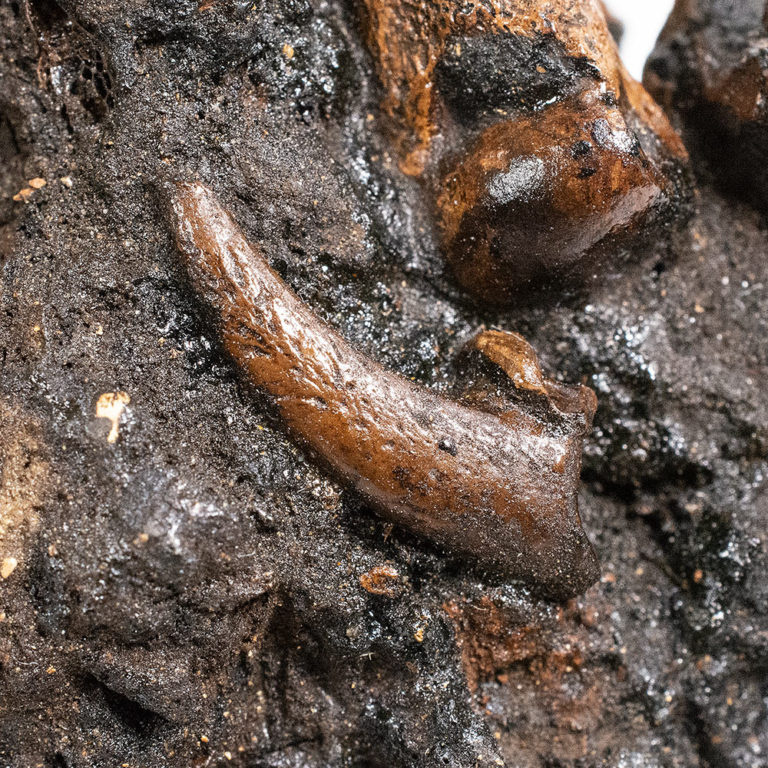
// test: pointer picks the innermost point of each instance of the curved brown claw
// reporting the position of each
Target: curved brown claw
(499, 488)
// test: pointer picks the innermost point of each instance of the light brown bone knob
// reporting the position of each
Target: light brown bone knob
(540, 200)
(513, 356)
(497, 486)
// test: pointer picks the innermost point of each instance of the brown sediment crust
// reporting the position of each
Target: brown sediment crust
(494, 638)
(553, 660)
(498, 488)
(381, 580)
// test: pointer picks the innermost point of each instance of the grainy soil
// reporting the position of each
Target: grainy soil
(182, 585)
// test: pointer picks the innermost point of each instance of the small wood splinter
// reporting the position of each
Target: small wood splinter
(497, 485)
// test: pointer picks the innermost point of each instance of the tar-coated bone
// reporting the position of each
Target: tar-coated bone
(499, 488)
(543, 156)
(710, 65)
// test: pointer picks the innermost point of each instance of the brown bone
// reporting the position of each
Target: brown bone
(710, 65)
(498, 486)
(539, 149)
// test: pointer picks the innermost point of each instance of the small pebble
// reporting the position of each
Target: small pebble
(8, 567)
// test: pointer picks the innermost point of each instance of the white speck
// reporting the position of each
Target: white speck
(111, 406)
